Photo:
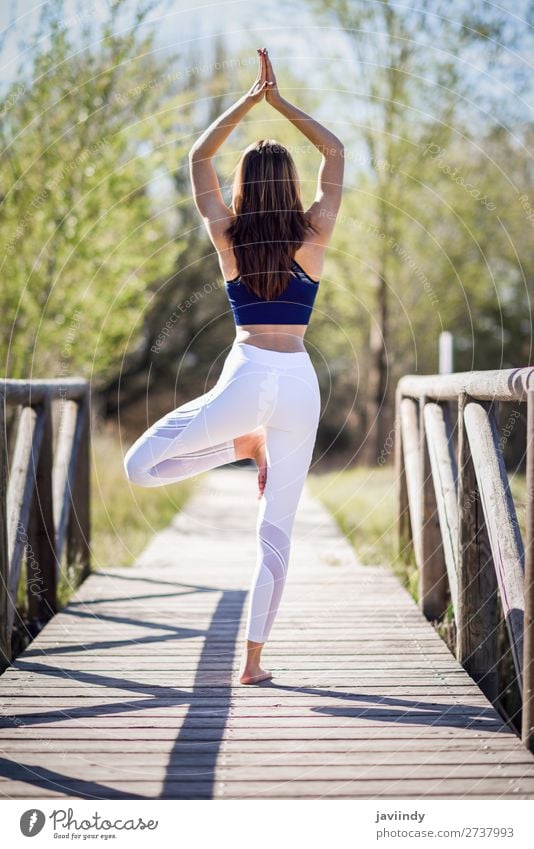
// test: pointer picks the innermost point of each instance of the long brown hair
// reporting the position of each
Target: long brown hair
(269, 223)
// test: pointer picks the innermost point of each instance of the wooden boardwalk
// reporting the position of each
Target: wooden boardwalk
(130, 692)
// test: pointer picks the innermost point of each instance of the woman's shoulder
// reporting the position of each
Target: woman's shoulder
(310, 257)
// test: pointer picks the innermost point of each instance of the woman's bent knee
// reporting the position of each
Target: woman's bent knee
(135, 470)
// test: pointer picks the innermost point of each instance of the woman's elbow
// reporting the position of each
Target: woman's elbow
(198, 154)
(335, 148)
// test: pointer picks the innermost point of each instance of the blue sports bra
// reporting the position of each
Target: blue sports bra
(292, 306)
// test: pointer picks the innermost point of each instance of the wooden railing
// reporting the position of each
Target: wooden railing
(456, 509)
(44, 493)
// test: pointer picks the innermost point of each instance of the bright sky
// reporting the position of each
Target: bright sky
(244, 23)
(297, 39)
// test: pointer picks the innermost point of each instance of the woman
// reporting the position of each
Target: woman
(266, 402)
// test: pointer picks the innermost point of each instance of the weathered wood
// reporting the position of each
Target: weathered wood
(412, 462)
(500, 519)
(444, 478)
(41, 566)
(5, 633)
(477, 612)
(78, 527)
(403, 529)
(27, 495)
(527, 718)
(31, 392)
(438, 495)
(72, 432)
(502, 385)
(20, 495)
(474, 761)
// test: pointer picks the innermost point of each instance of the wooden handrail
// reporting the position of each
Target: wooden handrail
(44, 495)
(481, 554)
(502, 385)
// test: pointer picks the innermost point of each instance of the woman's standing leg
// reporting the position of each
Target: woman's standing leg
(289, 454)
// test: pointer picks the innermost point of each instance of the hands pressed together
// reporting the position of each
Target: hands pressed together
(265, 84)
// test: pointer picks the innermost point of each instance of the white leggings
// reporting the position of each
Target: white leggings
(257, 387)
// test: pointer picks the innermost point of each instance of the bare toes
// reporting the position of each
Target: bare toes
(255, 679)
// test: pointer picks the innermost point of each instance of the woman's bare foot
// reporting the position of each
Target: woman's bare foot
(252, 446)
(262, 675)
(252, 672)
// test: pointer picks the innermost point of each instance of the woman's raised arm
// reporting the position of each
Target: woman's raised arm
(324, 209)
(206, 189)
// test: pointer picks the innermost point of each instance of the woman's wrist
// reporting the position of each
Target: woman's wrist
(275, 99)
(245, 101)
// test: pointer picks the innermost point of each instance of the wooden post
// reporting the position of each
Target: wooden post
(527, 719)
(501, 520)
(476, 617)
(433, 572)
(78, 531)
(444, 477)
(445, 352)
(5, 632)
(41, 570)
(409, 421)
(64, 471)
(404, 532)
(20, 494)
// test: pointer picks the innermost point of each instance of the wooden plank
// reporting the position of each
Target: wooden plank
(41, 566)
(360, 757)
(403, 528)
(487, 385)
(29, 392)
(470, 748)
(451, 787)
(501, 521)
(440, 520)
(67, 445)
(20, 491)
(137, 774)
(477, 611)
(412, 465)
(5, 631)
(527, 718)
(78, 529)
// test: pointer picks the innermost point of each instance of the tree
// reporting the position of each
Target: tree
(407, 92)
(80, 234)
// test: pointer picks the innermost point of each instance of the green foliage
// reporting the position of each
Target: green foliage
(436, 136)
(362, 502)
(102, 244)
(81, 237)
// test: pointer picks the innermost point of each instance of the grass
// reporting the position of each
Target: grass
(362, 501)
